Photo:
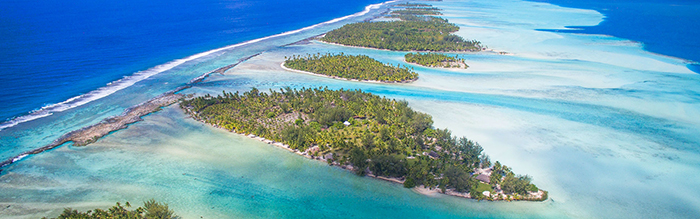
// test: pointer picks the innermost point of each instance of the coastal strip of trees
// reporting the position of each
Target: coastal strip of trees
(151, 210)
(417, 11)
(413, 5)
(412, 34)
(414, 31)
(360, 67)
(368, 133)
(435, 60)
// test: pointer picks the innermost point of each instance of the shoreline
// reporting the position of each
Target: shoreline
(348, 79)
(92, 133)
(89, 134)
(431, 192)
(421, 189)
(47, 111)
(439, 67)
(135, 77)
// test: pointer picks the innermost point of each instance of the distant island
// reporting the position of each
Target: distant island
(417, 10)
(358, 67)
(367, 134)
(412, 32)
(435, 60)
(412, 5)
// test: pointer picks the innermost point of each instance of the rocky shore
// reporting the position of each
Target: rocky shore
(87, 135)
(131, 115)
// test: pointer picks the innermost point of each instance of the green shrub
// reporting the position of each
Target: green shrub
(151, 210)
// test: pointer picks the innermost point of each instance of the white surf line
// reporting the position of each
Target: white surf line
(127, 81)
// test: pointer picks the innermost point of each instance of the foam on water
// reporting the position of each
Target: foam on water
(142, 75)
(20, 157)
(607, 138)
(33, 134)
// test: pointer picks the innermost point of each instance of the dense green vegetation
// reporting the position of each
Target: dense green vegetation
(382, 136)
(359, 67)
(413, 5)
(417, 35)
(422, 9)
(484, 187)
(150, 210)
(435, 60)
(417, 11)
(419, 18)
(413, 32)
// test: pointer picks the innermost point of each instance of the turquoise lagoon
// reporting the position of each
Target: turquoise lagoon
(608, 128)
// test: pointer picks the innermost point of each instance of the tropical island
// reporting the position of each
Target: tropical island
(417, 10)
(367, 134)
(413, 5)
(358, 67)
(413, 31)
(435, 60)
(355, 130)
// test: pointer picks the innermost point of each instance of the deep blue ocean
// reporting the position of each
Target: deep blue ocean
(53, 50)
(550, 109)
(668, 27)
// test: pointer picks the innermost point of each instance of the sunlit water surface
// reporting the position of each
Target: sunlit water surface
(608, 129)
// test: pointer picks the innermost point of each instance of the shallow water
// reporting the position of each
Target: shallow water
(668, 27)
(607, 128)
